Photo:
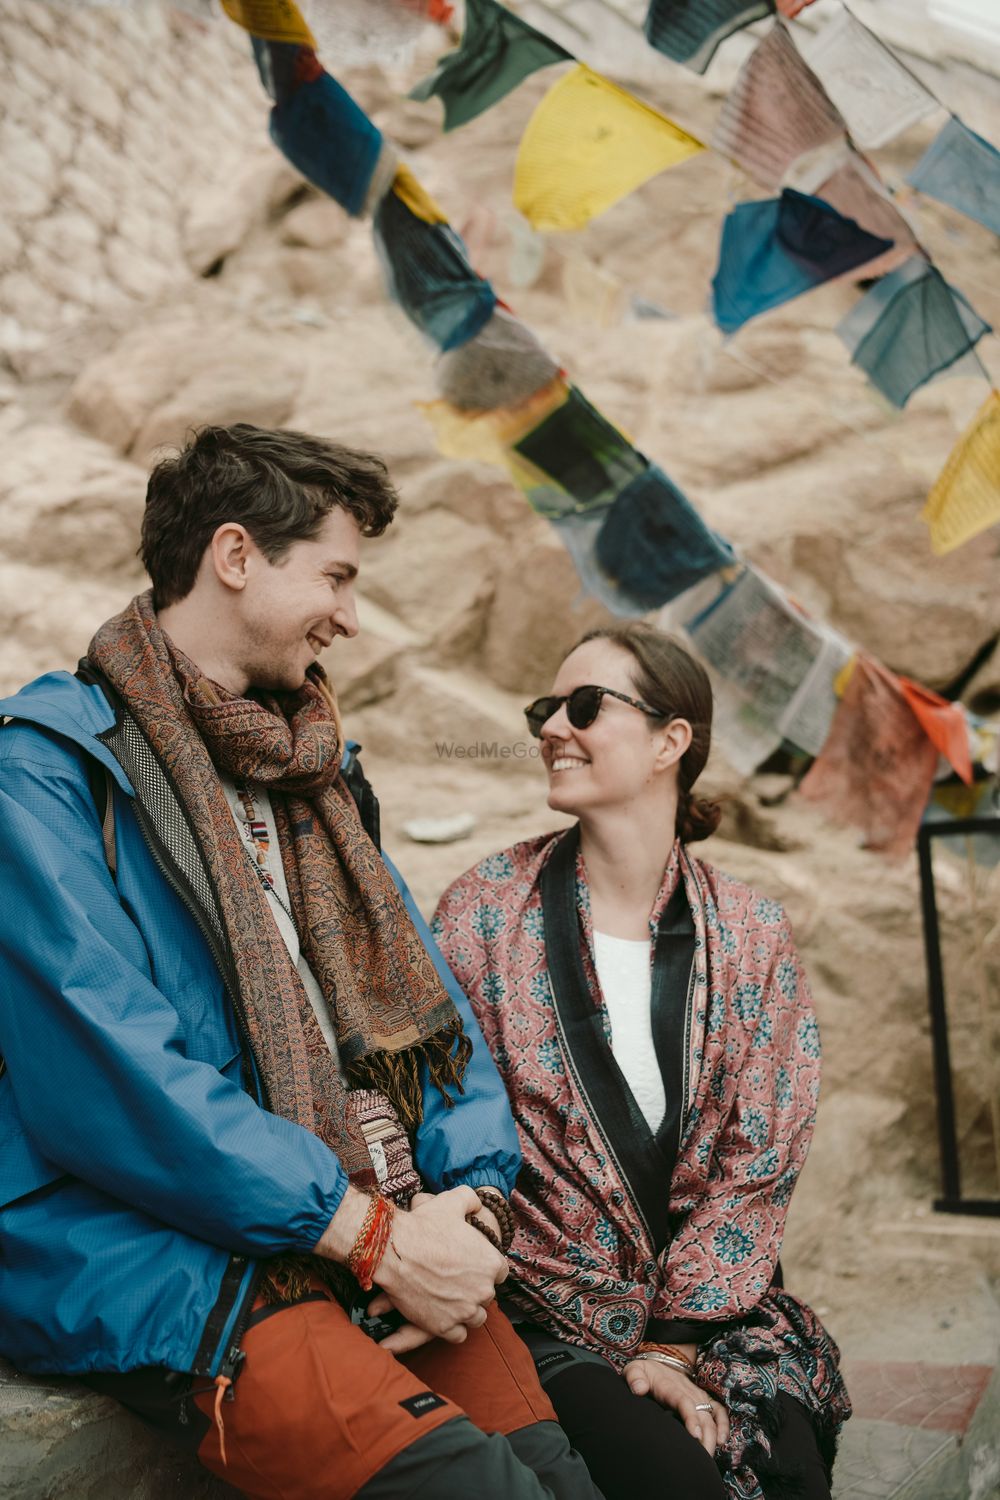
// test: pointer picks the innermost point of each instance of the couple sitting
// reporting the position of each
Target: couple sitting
(258, 1178)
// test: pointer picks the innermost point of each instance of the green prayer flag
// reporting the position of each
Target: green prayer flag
(497, 52)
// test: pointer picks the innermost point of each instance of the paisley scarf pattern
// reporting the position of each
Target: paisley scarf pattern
(583, 1262)
(390, 1010)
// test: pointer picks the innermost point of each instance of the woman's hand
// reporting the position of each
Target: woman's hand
(647, 1377)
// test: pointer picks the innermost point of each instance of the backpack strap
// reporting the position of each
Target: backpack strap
(100, 779)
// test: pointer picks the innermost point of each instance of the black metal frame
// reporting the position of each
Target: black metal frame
(951, 1200)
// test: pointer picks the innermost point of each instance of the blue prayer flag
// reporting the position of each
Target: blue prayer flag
(777, 248)
(653, 542)
(326, 136)
(428, 274)
(963, 170)
(910, 327)
(690, 31)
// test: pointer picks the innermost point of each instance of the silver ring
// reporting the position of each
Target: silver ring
(706, 1406)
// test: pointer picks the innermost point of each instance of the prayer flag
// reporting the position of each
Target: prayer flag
(773, 669)
(966, 497)
(981, 800)
(776, 111)
(502, 365)
(498, 51)
(578, 534)
(654, 544)
(579, 449)
(858, 193)
(778, 248)
(877, 96)
(910, 326)
(963, 170)
(690, 31)
(274, 20)
(416, 197)
(588, 144)
(877, 768)
(327, 137)
(427, 273)
(944, 724)
(489, 437)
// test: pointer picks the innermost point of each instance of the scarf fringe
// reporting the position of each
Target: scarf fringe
(397, 1074)
(289, 1278)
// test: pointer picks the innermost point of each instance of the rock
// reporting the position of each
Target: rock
(50, 624)
(222, 214)
(66, 496)
(167, 376)
(440, 830)
(316, 224)
(435, 571)
(537, 614)
(446, 719)
(61, 1441)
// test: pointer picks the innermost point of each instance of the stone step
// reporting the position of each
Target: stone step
(60, 1441)
(920, 1431)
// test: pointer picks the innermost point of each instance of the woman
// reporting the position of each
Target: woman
(656, 1036)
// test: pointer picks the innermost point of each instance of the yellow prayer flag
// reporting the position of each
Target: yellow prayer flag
(588, 144)
(416, 197)
(274, 20)
(488, 435)
(966, 497)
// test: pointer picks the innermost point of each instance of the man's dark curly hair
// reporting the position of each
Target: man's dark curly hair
(279, 485)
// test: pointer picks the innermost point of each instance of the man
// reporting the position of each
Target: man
(217, 1007)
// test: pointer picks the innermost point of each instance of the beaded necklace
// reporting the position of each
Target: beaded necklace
(258, 836)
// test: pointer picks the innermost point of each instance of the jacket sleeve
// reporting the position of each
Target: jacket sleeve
(723, 1258)
(95, 1050)
(475, 1140)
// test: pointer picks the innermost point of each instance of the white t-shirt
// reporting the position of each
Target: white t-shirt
(626, 977)
(278, 899)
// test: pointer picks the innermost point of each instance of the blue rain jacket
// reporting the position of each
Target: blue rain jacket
(140, 1180)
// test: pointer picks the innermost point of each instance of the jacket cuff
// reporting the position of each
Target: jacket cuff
(477, 1177)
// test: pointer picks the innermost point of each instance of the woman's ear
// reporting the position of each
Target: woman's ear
(674, 737)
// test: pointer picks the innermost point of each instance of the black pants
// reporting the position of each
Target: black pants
(632, 1446)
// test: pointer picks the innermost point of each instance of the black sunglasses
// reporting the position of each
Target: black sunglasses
(583, 705)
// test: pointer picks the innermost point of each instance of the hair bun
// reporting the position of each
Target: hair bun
(699, 819)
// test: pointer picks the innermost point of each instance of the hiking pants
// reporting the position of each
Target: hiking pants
(319, 1411)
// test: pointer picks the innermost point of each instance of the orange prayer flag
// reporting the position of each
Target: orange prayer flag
(944, 724)
(877, 767)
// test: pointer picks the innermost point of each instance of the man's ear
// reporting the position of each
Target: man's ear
(229, 552)
(674, 737)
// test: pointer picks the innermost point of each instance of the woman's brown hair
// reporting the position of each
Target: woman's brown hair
(669, 679)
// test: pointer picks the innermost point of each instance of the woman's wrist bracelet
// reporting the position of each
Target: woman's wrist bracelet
(671, 1349)
(498, 1206)
(372, 1240)
(681, 1365)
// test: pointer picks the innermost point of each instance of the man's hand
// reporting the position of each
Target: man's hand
(438, 1271)
(646, 1377)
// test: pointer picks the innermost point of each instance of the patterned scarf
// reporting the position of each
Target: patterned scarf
(389, 1007)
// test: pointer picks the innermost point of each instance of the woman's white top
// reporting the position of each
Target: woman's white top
(624, 968)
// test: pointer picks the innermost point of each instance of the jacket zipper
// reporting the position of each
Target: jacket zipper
(167, 869)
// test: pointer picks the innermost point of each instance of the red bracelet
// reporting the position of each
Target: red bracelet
(372, 1240)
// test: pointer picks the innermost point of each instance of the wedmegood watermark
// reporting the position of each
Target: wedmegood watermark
(487, 750)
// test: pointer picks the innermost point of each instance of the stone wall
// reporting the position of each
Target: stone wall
(133, 153)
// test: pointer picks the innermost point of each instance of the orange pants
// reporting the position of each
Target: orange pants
(318, 1408)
